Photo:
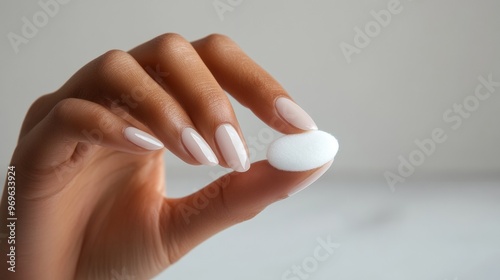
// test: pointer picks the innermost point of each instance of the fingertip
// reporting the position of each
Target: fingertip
(198, 147)
(267, 184)
(142, 139)
(310, 179)
(232, 147)
(294, 115)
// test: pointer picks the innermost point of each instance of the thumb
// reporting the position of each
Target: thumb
(231, 199)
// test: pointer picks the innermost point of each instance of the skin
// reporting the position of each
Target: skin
(92, 207)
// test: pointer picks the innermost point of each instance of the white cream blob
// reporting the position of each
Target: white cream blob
(304, 151)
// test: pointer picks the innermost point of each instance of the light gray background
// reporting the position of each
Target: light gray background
(395, 91)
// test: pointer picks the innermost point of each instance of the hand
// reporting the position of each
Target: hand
(90, 183)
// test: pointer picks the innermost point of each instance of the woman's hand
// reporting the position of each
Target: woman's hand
(90, 198)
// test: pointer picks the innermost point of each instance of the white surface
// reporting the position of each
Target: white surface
(304, 151)
(423, 231)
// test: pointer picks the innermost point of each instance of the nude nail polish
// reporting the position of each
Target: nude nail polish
(198, 147)
(294, 115)
(232, 148)
(311, 179)
(142, 139)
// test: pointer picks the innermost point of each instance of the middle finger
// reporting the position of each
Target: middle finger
(192, 84)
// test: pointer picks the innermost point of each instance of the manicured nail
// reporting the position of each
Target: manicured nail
(311, 179)
(294, 115)
(232, 148)
(198, 147)
(142, 139)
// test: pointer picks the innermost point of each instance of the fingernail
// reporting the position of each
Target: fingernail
(232, 148)
(311, 179)
(294, 115)
(142, 139)
(198, 147)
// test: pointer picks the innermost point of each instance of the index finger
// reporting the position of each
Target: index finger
(251, 85)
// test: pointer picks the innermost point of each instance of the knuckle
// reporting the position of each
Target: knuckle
(212, 99)
(98, 115)
(246, 216)
(243, 216)
(170, 37)
(217, 103)
(36, 112)
(38, 104)
(217, 40)
(113, 55)
(64, 107)
(171, 42)
(74, 112)
(208, 90)
(113, 61)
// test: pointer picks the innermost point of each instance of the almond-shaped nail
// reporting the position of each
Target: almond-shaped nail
(198, 147)
(232, 148)
(142, 139)
(294, 115)
(311, 179)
